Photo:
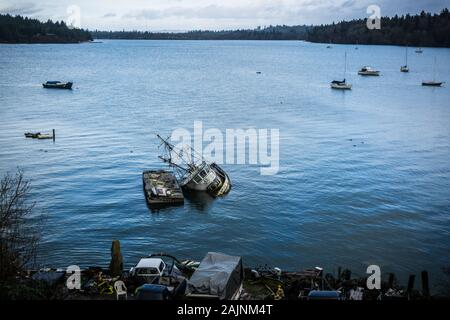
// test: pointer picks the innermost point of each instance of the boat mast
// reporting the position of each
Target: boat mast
(406, 56)
(171, 148)
(434, 70)
(345, 64)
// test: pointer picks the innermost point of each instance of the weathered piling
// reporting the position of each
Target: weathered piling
(411, 279)
(116, 264)
(54, 135)
(391, 280)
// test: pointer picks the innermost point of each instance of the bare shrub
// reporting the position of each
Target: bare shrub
(18, 237)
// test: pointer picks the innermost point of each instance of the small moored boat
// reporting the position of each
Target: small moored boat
(336, 84)
(433, 83)
(405, 67)
(368, 71)
(57, 85)
(342, 85)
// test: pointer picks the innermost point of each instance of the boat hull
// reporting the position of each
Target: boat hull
(218, 185)
(341, 86)
(432, 84)
(369, 73)
(67, 85)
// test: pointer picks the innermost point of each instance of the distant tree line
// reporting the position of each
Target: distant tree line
(424, 29)
(25, 30)
(267, 33)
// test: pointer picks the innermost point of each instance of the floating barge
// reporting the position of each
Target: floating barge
(161, 189)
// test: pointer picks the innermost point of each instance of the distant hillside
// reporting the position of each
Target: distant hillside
(424, 29)
(25, 30)
(268, 33)
(421, 30)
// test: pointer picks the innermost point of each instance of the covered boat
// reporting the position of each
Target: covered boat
(57, 85)
(219, 276)
(193, 172)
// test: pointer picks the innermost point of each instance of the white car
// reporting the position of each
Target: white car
(148, 269)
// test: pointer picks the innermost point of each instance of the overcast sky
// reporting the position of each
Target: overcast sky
(180, 15)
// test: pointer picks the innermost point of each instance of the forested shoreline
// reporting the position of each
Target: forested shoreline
(20, 29)
(424, 29)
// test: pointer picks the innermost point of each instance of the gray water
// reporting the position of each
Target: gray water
(364, 175)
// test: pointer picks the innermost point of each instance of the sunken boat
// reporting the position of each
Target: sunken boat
(193, 172)
(57, 85)
(161, 189)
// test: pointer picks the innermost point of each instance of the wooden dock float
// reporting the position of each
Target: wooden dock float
(161, 189)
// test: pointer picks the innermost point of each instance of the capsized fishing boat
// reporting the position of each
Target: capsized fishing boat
(193, 172)
(342, 85)
(57, 85)
(368, 71)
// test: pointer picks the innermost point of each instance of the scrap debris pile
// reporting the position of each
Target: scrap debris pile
(218, 276)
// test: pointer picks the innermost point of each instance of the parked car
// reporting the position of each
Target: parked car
(148, 270)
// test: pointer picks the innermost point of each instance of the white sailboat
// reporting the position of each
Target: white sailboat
(342, 85)
(433, 83)
(405, 67)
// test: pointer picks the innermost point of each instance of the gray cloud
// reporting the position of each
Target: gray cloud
(21, 9)
(109, 15)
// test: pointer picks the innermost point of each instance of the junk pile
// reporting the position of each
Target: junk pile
(40, 136)
(161, 189)
(218, 276)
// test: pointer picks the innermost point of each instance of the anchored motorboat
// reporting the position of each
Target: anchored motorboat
(57, 85)
(368, 71)
(193, 172)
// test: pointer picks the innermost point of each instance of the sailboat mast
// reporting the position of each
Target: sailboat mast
(406, 56)
(434, 70)
(345, 64)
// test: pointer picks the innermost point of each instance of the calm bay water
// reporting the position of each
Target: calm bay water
(364, 175)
